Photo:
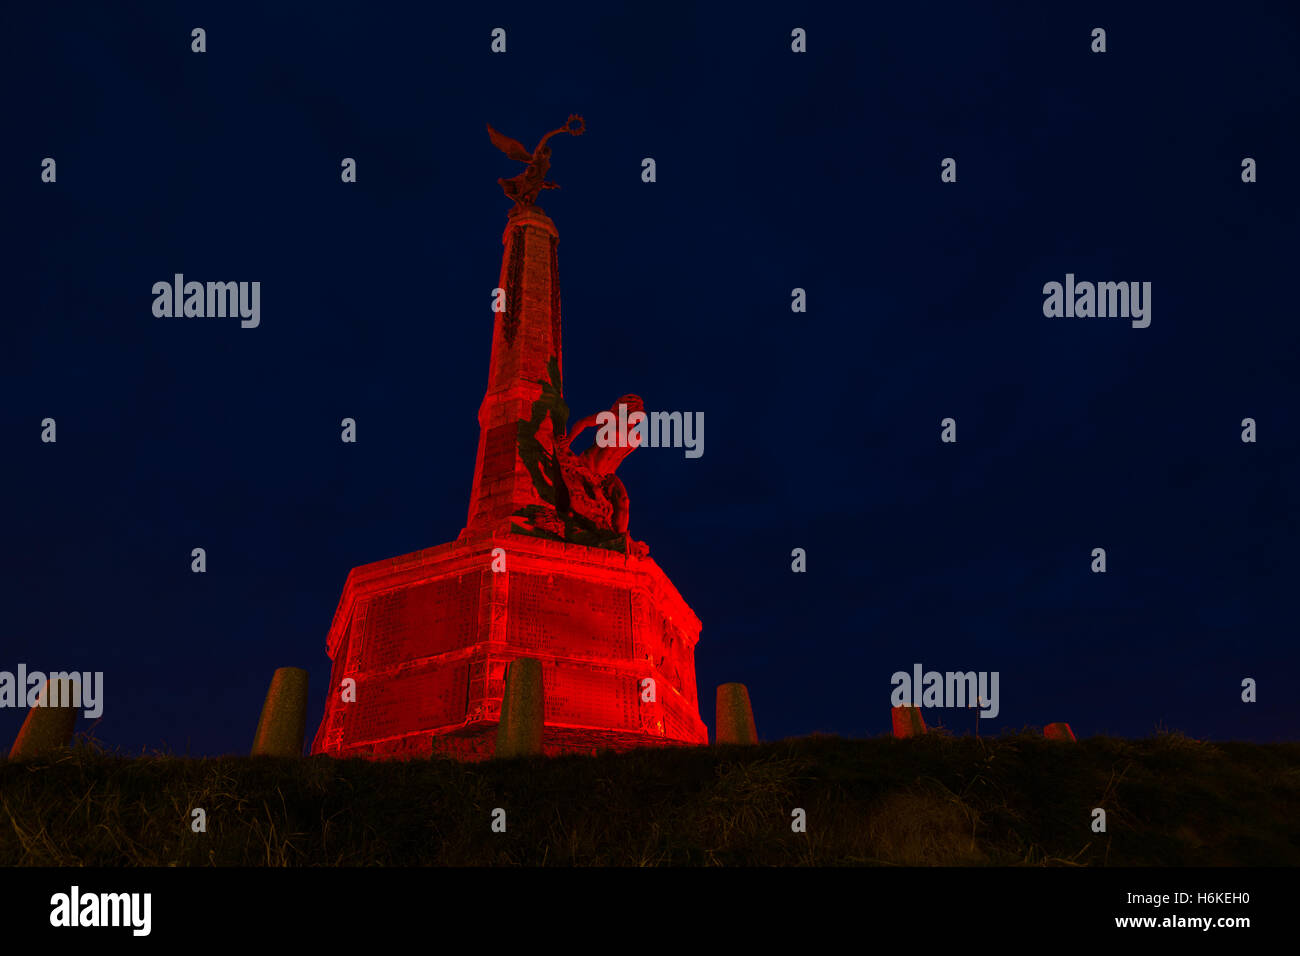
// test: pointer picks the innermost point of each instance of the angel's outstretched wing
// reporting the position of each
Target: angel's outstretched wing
(511, 147)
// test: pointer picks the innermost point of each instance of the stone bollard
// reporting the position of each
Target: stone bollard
(735, 716)
(1058, 732)
(49, 725)
(908, 722)
(283, 725)
(523, 710)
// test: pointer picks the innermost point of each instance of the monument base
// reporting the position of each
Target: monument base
(420, 644)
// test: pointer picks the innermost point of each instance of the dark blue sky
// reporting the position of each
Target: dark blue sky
(775, 170)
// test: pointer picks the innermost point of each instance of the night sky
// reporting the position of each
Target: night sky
(775, 170)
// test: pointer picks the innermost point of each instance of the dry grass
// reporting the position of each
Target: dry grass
(935, 800)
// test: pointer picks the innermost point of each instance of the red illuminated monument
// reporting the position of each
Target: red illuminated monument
(426, 636)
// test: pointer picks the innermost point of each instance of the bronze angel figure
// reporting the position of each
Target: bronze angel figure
(523, 189)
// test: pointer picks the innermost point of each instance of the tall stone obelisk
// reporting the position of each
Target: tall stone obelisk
(525, 338)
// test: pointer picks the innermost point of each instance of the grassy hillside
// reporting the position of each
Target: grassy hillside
(1016, 799)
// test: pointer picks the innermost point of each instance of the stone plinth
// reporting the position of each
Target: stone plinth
(427, 636)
